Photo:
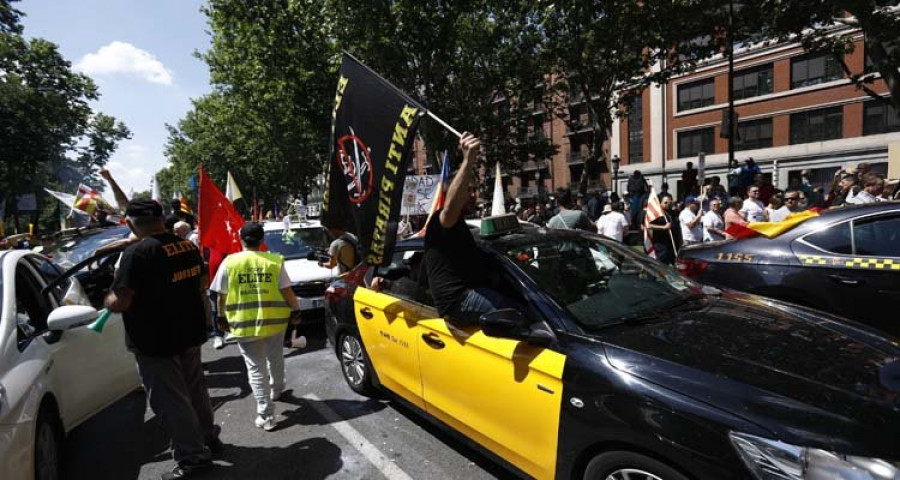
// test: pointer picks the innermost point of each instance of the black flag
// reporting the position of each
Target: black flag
(373, 128)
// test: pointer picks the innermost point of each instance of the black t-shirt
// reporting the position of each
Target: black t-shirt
(452, 263)
(166, 315)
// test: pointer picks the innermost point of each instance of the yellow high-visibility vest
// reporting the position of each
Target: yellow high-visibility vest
(254, 305)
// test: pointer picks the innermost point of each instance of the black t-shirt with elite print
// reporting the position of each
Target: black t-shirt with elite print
(166, 315)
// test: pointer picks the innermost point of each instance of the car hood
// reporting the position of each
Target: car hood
(809, 378)
(302, 271)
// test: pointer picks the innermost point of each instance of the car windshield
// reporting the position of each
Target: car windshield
(71, 251)
(598, 283)
(297, 242)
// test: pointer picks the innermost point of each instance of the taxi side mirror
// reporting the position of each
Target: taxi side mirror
(512, 324)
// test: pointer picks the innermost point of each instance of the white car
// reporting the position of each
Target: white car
(53, 376)
(295, 243)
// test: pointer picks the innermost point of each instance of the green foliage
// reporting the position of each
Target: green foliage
(49, 135)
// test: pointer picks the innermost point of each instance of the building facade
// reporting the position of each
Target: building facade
(796, 111)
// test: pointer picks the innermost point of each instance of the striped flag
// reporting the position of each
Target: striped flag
(185, 207)
(653, 211)
(89, 200)
(437, 202)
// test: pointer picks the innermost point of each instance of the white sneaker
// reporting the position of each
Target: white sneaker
(218, 343)
(265, 423)
(298, 342)
(228, 337)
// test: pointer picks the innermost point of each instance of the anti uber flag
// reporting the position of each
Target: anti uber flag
(373, 128)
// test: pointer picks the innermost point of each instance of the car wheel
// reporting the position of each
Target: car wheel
(355, 364)
(629, 466)
(47, 443)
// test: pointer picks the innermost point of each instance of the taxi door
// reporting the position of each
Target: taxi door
(388, 327)
(504, 394)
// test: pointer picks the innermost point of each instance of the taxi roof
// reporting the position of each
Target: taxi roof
(279, 225)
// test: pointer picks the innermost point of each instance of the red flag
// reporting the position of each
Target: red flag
(652, 212)
(220, 224)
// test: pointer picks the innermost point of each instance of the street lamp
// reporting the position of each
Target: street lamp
(615, 165)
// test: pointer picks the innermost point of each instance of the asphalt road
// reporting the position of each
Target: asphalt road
(325, 430)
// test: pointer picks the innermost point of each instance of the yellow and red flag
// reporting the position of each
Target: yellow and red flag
(770, 229)
(89, 200)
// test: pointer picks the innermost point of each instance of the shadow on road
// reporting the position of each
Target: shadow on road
(311, 459)
(306, 413)
(99, 450)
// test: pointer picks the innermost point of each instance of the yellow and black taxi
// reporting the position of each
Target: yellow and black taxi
(621, 368)
(846, 261)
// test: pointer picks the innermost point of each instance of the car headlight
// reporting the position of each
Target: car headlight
(770, 459)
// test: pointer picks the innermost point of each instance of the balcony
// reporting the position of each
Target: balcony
(530, 191)
(533, 165)
(576, 158)
(578, 127)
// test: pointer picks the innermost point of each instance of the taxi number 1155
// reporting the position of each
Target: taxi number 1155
(735, 257)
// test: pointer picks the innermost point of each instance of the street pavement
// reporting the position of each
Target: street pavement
(325, 430)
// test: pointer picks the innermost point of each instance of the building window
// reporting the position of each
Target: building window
(814, 69)
(636, 131)
(817, 125)
(754, 134)
(880, 118)
(753, 82)
(696, 95)
(692, 143)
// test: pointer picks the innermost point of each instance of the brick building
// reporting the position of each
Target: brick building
(796, 110)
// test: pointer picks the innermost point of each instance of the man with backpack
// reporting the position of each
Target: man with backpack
(342, 251)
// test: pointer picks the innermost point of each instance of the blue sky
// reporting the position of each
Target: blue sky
(140, 54)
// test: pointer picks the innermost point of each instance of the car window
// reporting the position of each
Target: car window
(49, 271)
(68, 253)
(595, 282)
(878, 237)
(31, 309)
(834, 239)
(402, 277)
(297, 242)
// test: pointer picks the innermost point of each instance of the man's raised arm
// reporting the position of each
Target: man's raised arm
(457, 194)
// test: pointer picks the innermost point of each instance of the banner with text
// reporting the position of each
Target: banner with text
(418, 193)
(373, 128)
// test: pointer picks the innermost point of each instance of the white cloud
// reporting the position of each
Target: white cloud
(125, 58)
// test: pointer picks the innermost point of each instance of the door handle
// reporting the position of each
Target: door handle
(433, 340)
(366, 313)
(848, 281)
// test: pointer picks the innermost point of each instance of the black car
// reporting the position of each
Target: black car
(846, 261)
(619, 367)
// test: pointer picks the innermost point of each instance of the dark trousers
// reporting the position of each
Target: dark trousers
(178, 396)
(474, 303)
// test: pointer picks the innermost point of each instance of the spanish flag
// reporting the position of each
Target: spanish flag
(770, 229)
(185, 207)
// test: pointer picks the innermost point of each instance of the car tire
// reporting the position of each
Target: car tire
(355, 364)
(629, 465)
(47, 445)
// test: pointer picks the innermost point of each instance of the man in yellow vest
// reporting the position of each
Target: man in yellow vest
(256, 296)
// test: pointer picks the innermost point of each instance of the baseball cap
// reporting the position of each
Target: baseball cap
(143, 208)
(252, 231)
(691, 199)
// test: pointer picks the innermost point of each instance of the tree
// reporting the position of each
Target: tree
(268, 117)
(600, 56)
(49, 134)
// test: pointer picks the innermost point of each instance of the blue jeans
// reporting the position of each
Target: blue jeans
(475, 302)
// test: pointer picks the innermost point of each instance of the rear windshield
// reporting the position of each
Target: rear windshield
(72, 251)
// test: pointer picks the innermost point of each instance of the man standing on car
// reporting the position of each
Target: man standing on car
(256, 297)
(454, 267)
(156, 273)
